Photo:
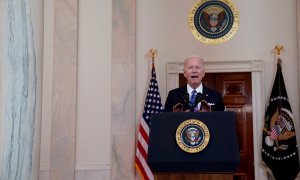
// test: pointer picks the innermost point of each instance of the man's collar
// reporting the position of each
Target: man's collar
(198, 89)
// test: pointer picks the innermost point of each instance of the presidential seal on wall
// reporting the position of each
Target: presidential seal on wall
(213, 21)
(192, 136)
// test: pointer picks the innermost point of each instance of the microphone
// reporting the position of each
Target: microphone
(186, 101)
(199, 97)
(190, 105)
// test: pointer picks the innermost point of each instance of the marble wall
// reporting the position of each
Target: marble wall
(123, 102)
(65, 46)
(298, 40)
(63, 163)
(20, 88)
(21, 33)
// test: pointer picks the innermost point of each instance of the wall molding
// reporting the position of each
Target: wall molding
(81, 167)
(92, 166)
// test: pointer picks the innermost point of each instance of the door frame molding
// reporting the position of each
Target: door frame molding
(258, 103)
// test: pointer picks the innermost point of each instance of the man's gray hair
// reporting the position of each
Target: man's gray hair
(193, 56)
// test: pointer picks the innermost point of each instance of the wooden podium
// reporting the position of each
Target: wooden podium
(217, 161)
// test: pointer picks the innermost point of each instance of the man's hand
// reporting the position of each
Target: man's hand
(178, 108)
(205, 107)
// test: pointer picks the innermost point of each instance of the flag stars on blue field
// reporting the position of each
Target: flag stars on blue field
(153, 99)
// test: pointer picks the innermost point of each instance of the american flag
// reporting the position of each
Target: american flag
(152, 105)
(274, 133)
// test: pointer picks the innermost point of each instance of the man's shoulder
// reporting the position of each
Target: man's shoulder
(177, 90)
(208, 90)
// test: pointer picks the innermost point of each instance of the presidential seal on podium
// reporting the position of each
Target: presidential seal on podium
(192, 136)
(214, 21)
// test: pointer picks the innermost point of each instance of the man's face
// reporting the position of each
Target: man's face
(194, 71)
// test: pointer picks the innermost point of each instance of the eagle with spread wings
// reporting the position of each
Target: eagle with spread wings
(193, 136)
(214, 21)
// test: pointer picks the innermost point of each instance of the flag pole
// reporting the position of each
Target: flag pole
(278, 50)
(279, 144)
(152, 53)
(152, 106)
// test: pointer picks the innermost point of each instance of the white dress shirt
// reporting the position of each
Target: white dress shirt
(198, 89)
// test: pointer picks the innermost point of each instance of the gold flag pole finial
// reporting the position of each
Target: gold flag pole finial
(278, 50)
(152, 53)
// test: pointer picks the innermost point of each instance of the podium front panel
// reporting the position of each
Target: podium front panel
(220, 155)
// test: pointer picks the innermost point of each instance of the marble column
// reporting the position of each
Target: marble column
(21, 33)
(298, 44)
(123, 77)
(63, 134)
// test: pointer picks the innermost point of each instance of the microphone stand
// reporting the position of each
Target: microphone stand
(191, 105)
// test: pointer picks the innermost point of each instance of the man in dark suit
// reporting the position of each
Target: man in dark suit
(181, 99)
